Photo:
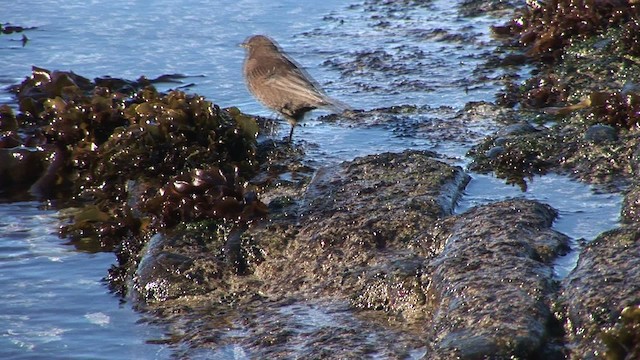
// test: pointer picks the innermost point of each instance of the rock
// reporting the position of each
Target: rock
(492, 284)
(190, 261)
(357, 222)
(20, 167)
(601, 134)
(630, 212)
(494, 152)
(517, 129)
(374, 238)
(605, 281)
(357, 239)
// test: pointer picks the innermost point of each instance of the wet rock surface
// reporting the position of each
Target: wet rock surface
(586, 114)
(492, 285)
(334, 236)
(442, 279)
(600, 298)
(334, 248)
(342, 226)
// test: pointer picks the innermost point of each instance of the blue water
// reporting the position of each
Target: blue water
(128, 39)
(52, 301)
(583, 212)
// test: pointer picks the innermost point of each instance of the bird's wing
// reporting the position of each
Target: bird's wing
(298, 84)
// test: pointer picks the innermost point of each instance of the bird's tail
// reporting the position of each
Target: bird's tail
(335, 106)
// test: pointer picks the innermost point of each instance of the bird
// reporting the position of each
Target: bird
(279, 83)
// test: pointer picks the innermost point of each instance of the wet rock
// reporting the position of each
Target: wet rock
(48, 180)
(357, 237)
(517, 129)
(504, 139)
(373, 233)
(604, 283)
(394, 288)
(630, 213)
(344, 235)
(8, 120)
(474, 8)
(601, 134)
(494, 152)
(9, 139)
(561, 148)
(491, 286)
(520, 156)
(284, 171)
(201, 258)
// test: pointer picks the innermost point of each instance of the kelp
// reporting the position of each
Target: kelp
(120, 149)
(544, 29)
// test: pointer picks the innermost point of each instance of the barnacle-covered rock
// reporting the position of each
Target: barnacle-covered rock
(492, 283)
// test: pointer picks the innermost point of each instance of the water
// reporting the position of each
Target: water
(52, 303)
(128, 39)
(583, 213)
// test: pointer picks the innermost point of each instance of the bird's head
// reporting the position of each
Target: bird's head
(259, 41)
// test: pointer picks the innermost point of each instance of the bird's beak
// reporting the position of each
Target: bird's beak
(243, 44)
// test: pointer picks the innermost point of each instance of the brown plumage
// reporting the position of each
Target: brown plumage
(279, 83)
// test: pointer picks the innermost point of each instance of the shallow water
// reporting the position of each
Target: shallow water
(52, 303)
(583, 212)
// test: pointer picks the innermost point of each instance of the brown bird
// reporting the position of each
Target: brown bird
(279, 83)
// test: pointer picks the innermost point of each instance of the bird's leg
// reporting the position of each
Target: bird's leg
(291, 132)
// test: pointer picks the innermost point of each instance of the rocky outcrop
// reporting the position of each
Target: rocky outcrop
(374, 237)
